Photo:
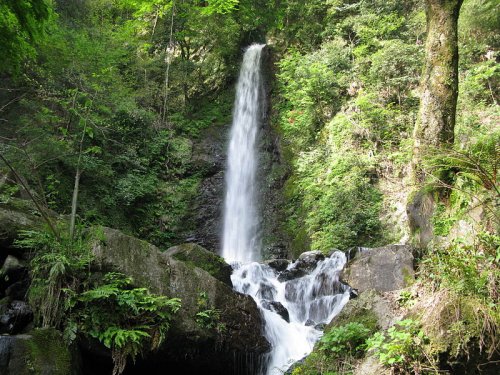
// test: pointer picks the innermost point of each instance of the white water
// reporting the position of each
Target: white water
(309, 300)
(240, 237)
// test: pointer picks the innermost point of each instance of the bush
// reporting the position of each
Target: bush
(402, 347)
(346, 340)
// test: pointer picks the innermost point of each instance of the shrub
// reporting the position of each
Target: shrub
(348, 339)
(401, 347)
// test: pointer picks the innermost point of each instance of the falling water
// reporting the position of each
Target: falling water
(240, 237)
(294, 302)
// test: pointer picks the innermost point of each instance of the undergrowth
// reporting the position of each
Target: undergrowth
(66, 295)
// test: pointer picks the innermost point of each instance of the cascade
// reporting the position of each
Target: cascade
(297, 301)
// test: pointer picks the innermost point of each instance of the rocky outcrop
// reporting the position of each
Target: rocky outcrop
(239, 332)
(40, 352)
(382, 269)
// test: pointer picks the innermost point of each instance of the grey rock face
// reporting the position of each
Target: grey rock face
(382, 269)
(165, 275)
(209, 157)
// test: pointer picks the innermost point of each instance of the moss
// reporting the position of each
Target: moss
(196, 256)
(359, 310)
(48, 353)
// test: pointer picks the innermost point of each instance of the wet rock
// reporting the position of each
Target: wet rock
(197, 256)
(306, 263)
(12, 271)
(11, 265)
(320, 326)
(266, 291)
(278, 308)
(382, 269)
(278, 265)
(18, 290)
(14, 317)
(309, 323)
(208, 159)
(290, 274)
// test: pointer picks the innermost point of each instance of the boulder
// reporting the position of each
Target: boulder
(14, 317)
(41, 352)
(278, 265)
(240, 323)
(16, 215)
(278, 308)
(306, 263)
(370, 308)
(382, 269)
(13, 278)
(197, 256)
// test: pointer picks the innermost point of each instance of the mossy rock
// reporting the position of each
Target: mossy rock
(17, 215)
(42, 352)
(197, 256)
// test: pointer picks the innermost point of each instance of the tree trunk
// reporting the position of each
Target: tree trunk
(438, 103)
(74, 203)
(439, 85)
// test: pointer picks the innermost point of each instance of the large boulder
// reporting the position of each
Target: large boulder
(188, 343)
(382, 269)
(197, 256)
(40, 352)
(371, 309)
(15, 216)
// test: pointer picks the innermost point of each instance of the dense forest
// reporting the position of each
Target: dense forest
(381, 127)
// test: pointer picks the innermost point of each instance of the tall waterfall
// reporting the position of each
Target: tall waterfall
(240, 237)
(296, 299)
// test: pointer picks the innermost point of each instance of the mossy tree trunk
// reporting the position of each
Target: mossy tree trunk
(438, 103)
(439, 86)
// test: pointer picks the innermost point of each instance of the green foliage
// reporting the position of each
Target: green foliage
(123, 318)
(345, 340)
(208, 317)
(22, 26)
(68, 297)
(471, 270)
(57, 265)
(402, 347)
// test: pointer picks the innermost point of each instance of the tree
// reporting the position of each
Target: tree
(22, 23)
(439, 84)
(438, 102)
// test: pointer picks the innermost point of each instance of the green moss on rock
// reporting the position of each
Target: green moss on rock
(48, 354)
(196, 256)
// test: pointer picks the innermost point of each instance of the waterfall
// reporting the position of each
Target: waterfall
(240, 236)
(296, 300)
